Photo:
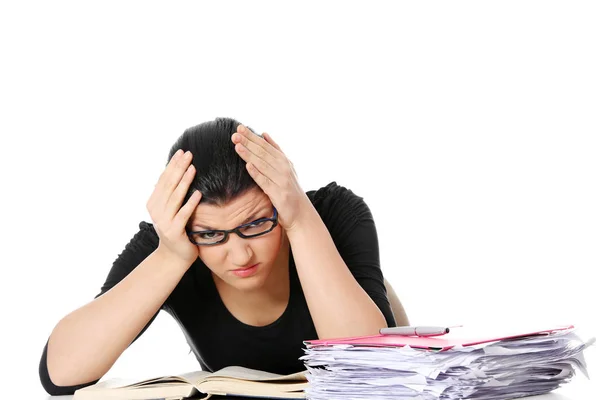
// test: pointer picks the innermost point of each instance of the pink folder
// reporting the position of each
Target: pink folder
(464, 336)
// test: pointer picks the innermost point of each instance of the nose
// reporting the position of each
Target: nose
(238, 250)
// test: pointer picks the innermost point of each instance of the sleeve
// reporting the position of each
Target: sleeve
(137, 250)
(352, 228)
(47, 383)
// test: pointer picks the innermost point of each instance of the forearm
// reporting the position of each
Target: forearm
(338, 305)
(87, 342)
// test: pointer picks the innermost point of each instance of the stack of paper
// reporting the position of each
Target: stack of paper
(489, 367)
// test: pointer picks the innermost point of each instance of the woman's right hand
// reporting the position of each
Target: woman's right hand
(165, 203)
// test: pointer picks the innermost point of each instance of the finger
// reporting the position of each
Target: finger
(171, 164)
(157, 194)
(261, 179)
(271, 172)
(246, 146)
(173, 177)
(293, 169)
(257, 150)
(270, 140)
(183, 216)
(176, 199)
(251, 140)
(241, 128)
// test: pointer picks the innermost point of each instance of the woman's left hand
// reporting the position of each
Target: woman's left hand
(274, 173)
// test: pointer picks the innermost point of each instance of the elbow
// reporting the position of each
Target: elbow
(53, 388)
(58, 385)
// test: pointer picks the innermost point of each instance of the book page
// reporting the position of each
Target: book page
(194, 377)
(105, 390)
(253, 375)
(233, 387)
(189, 377)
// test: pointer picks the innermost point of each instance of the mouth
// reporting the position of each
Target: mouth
(245, 268)
(245, 271)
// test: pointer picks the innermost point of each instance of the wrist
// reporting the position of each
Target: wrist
(305, 218)
(172, 260)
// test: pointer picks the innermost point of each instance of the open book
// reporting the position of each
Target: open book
(233, 381)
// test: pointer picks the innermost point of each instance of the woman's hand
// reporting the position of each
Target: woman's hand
(164, 207)
(274, 173)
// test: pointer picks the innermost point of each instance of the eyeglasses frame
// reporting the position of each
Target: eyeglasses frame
(236, 230)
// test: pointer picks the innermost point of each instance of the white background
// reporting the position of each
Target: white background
(471, 129)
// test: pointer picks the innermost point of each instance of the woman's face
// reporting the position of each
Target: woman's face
(237, 253)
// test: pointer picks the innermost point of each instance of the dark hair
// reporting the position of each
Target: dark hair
(221, 173)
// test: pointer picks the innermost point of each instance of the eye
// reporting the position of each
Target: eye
(207, 235)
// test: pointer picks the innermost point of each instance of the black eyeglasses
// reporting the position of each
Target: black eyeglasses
(252, 229)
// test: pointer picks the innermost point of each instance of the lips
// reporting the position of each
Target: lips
(245, 268)
(246, 271)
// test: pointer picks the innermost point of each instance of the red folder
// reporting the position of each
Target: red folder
(458, 336)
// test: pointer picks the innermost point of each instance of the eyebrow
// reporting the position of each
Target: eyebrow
(249, 219)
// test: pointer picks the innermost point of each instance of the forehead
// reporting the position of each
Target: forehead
(254, 203)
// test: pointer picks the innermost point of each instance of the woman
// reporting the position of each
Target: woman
(245, 261)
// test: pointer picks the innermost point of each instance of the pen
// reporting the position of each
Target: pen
(415, 330)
